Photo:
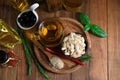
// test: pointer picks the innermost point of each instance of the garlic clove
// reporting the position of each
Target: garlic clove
(57, 62)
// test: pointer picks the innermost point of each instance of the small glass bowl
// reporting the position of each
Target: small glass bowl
(51, 32)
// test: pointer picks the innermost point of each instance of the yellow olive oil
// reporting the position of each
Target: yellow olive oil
(20, 5)
(8, 36)
(51, 32)
(73, 5)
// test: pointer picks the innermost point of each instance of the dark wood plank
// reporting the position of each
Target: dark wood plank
(114, 38)
(62, 13)
(82, 73)
(98, 63)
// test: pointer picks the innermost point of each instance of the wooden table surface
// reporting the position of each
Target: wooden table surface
(105, 62)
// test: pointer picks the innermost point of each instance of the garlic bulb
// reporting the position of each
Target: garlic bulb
(57, 62)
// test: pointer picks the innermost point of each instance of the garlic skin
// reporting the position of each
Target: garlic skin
(74, 45)
(57, 62)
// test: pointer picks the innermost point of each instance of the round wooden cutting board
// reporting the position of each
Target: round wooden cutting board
(70, 25)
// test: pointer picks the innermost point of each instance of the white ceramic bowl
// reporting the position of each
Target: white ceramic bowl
(32, 8)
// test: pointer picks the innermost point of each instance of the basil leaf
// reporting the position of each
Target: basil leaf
(97, 31)
(87, 27)
(85, 58)
(84, 19)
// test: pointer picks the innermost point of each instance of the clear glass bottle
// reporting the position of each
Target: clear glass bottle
(8, 36)
(20, 5)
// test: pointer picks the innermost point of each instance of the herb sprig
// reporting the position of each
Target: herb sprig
(29, 52)
(93, 28)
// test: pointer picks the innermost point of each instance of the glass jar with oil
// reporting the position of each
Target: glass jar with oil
(73, 5)
(51, 32)
(54, 5)
(8, 36)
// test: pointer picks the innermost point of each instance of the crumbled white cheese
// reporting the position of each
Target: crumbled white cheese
(74, 45)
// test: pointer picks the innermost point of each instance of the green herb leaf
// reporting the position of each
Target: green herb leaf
(87, 27)
(84, 19)
(98, 31)
(85, 58)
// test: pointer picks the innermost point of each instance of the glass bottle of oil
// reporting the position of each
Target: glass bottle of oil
(20, 5)
(8, 36)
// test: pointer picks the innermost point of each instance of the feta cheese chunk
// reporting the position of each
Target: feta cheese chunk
(74, 45)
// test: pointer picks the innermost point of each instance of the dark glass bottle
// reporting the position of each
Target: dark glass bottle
(3, 57)
(8, 59)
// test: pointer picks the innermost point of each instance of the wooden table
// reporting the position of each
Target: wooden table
(105, 62)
